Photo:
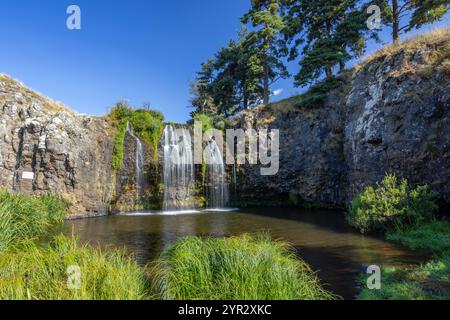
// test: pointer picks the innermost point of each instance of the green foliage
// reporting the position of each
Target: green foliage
(148, 124)
(120, 111)
(241, 268)
(318, 92)
(419, 13)
(265, 39)
(432, 237)
(327, 34)
(30, 272)
(117, 157)
(206, 121)
(28, 217)
(391, 206)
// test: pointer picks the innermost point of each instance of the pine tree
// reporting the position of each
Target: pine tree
(265, 18)
(420, 12)
(328, 32)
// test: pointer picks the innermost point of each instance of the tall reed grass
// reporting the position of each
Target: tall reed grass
(30, 272)
(245, 267)
(28, 217)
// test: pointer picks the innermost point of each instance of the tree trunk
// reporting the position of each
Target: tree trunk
(395, 22)
(266, 84)
(245, 98)
(329, 72)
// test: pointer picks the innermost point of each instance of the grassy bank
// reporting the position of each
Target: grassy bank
(43, 273)
(194, 268)
(406, 216)
(243, 267)
(430, 281)
(28, 217)
(29, 271)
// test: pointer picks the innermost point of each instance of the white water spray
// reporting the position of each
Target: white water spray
(178, 169)
(217, 187)
(139, 161)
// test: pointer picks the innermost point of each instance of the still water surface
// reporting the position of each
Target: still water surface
(321, 237)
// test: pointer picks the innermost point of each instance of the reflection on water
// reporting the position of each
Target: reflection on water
(320, 237)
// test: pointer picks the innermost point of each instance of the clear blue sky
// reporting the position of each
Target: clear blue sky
(139, 50)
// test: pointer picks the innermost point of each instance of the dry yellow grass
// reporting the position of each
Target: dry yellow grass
(437, 40)
(12, 87)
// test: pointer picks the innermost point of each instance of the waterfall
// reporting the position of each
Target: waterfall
(139, 165)
(178, 176)
(217, 189)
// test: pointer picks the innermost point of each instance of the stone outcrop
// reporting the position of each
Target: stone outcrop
(390, 115)
(44, 148)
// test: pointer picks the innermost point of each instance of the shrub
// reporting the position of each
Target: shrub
(28, 217)
(206, 121)
(117, 157)
(121, 111)
(148, 125)
(242, 267)
(391, 205)
(28, 272)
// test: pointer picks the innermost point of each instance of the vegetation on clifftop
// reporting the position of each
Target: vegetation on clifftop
(148, 125)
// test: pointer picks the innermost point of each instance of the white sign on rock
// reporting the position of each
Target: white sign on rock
(27, 175)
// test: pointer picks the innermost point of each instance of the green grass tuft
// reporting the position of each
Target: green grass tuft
(28, 217)
(244, 267)
(28, 272)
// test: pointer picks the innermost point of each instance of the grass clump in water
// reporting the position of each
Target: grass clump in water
(28, 217)
(29, 272)
(237, 268)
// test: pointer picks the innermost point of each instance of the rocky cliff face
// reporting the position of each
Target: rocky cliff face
(46, 148)
(391, 114)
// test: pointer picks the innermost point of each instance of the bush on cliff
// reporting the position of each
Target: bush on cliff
(148, 125)
(64, 270)
(28, 217)
(242, 267)
(391, 206)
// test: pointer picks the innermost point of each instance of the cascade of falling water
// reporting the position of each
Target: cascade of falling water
(178, 176)
(217, 188)
(139, 165)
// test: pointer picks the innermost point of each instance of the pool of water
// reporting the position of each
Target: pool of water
(320, 237)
